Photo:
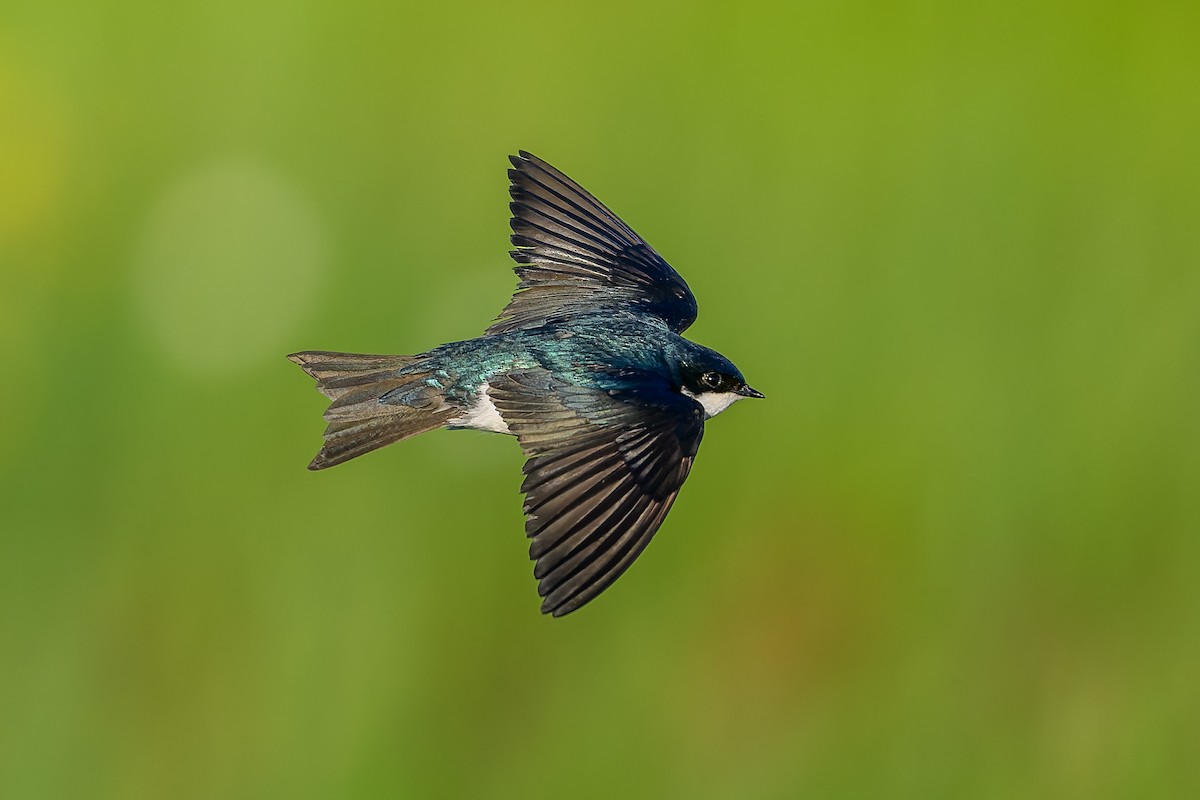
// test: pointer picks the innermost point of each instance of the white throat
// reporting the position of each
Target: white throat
(714, 402)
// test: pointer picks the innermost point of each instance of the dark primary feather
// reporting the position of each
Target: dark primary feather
(574, 255)
(601, 475)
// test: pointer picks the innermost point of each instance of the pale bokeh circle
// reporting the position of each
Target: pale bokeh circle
(231, 262)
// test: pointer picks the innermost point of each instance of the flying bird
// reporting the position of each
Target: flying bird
(585, 366)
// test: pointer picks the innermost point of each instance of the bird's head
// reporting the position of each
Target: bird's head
(713, 381)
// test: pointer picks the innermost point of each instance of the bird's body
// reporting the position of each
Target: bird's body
(590, 351)
(586, 367)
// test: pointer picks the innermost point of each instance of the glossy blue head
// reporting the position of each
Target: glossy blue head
(712, 380)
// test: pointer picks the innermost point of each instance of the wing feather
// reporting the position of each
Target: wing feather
(601, 474)
(576, 256)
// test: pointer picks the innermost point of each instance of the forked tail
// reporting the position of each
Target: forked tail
(376, 400)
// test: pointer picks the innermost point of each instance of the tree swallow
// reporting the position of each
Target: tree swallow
(585, 366)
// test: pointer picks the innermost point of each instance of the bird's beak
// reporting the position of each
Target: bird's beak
(746, 391)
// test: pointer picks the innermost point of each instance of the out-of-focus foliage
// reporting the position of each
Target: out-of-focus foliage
(953, 554)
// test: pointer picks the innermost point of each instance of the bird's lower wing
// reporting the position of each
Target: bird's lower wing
(602, 472)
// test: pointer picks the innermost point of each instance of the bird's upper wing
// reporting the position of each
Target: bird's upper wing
(603, 470)
(574, 255)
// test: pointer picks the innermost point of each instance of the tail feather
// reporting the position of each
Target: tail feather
(322, 364)
(361, 418)
(352, 381)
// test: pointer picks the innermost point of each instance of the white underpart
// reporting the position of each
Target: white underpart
(714, 402)
(482, 415)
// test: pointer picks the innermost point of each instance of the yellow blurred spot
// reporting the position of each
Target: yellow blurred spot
(230, 263)
(32, 150)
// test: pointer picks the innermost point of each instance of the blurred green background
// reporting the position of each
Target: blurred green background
(953, 554)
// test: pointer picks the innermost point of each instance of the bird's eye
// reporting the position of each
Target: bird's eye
(711, 379)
